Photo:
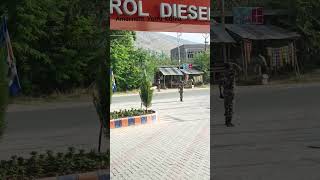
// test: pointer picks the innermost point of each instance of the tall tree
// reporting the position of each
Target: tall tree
(203, 61)
(308, 23)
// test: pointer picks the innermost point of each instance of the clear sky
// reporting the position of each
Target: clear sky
(194, 37)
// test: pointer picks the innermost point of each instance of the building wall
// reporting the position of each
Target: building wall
(187, 52)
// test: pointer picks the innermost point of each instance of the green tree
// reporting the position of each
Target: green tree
(125, 66)
(148, 61)
(128, 62)
(56, 43)
(202, 60)
(308, 24)
(146, 92)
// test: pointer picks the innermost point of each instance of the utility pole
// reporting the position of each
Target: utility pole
(205, 36)
(223, 22)
(179, 34)
(103, 100)
(223, 17)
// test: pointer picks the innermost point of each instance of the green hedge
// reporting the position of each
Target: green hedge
(128, 113)
(51, 165)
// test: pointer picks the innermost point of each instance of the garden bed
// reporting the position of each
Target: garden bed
(133, 117)
(53, 165)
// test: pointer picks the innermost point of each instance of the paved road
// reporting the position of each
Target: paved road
(275, 126)
(43, 128)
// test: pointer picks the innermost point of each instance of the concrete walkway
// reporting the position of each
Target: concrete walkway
(176, 148)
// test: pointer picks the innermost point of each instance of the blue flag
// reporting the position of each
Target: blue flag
(14, 84)
(114, 86)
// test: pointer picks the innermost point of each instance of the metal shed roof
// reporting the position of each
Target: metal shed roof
(170, 71)
(261, 32)
(191, 71)
(220, 35)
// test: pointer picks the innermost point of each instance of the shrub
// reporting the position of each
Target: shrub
(128, 113)
(146, 92)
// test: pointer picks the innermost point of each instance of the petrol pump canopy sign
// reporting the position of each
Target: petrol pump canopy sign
(161, 15)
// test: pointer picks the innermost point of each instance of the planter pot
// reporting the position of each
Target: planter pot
(135, 120)
(99, 175)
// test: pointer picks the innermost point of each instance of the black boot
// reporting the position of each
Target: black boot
(230, 125)
(228, 122)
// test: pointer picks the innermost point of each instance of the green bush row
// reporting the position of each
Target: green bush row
(50, 164)
(128, 113)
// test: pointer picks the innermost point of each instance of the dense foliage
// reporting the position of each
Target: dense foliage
(202, 60)
(56, 43)
(308, 24)
(128, 62)
(51, 165)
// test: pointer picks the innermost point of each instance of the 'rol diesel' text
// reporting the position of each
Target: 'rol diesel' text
(166, 10)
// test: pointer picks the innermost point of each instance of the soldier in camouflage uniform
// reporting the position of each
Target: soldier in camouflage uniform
(228, 84)
(159, 84)
(181, 90)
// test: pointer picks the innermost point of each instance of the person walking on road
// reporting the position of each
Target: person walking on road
(181, 91)
(228, 84)
(159, 84)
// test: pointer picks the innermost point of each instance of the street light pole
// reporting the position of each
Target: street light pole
(223, 22)
(205, 36)
(178, 39)
(223, 19)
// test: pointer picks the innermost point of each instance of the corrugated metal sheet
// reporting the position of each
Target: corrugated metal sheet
(261, 32)
(191, 71)
(220, 35)
(170, 71)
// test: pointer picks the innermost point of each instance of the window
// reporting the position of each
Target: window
(190, 55)
(257, 16)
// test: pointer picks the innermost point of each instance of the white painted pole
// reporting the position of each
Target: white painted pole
(179, 39)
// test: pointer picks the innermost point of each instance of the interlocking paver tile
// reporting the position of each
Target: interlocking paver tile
(177, 147)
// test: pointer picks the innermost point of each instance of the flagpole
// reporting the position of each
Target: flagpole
(13, 58)
(223, 21)
(9, 46)
(12, 63)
